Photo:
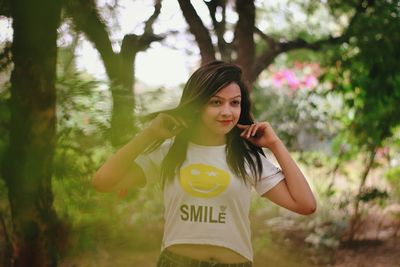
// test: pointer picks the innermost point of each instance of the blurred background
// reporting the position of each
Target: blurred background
(77, 76)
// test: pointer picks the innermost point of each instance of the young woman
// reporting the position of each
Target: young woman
(208, 154)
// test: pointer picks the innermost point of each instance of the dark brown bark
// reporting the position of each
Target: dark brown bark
(119, 66)
(244, 37)
(27, 166)
(220, 27)
(87, 20)
(200, 32)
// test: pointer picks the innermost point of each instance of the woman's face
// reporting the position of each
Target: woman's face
(221, 113)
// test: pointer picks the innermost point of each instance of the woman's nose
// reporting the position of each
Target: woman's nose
(226, 110)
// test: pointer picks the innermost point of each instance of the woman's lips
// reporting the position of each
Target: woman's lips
(225, 122)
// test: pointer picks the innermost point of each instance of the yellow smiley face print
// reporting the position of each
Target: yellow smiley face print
(205, 181)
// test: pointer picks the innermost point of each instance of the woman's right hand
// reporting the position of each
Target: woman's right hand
(165, 126)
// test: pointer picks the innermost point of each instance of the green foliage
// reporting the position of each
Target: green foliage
(107, 220)
(326, 228)
(155, 100)
(4, 119)
(373, 193)
(5, 212)
(367, 73)
(393, 177)
(96, 220)
(301, 112)
(316, 159)
(82, 112)
(294, 19)
(326, 235)
(261, 242)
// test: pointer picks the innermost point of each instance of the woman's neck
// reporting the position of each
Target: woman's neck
(208, 139)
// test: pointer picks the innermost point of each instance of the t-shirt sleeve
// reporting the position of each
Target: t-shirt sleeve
(151, 162)
(271, 175)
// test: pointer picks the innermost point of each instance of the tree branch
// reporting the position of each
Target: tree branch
(263, 61)
(136, 43)
(275, 48)
(87, 19)
(268, 39)
(299, 43)
(199, 31)
(132, 43)
(219, 26)
(148, 28)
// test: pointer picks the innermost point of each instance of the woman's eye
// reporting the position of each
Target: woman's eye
(236, 102)
(215, 102)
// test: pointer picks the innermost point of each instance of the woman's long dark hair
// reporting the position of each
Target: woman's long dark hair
(201, 86)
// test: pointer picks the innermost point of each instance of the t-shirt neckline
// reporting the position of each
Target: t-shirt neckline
(216, 147)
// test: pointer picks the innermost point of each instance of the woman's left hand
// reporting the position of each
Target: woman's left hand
(260, 134)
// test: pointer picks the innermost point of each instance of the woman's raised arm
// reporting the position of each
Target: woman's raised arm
(115, 169)
(121, 165)
(293, 192)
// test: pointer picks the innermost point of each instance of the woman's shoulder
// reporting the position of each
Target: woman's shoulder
(161, 148)
(166, 145)
(155, 153)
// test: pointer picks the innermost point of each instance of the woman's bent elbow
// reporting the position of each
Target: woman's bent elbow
(309, 209)
(98, 184)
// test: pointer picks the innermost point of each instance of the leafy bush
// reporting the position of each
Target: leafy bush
(393, 177)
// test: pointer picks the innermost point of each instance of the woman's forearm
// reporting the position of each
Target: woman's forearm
(296, 182)
(114, 169)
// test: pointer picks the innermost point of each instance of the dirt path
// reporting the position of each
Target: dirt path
(360, 254)
(368, 254)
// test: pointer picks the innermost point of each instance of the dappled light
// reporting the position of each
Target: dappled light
(82, 81)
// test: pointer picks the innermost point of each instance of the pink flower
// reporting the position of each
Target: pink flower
(291, 79)
(309, 81)
(277, 79)
(302, 75)
(277, 82)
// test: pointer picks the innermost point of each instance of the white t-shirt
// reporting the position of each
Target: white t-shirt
(207, 203)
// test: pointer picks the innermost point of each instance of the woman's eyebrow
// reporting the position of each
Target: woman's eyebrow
(224, 98)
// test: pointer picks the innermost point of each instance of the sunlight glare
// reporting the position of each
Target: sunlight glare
(161, 66)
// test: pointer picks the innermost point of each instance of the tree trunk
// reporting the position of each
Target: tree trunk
(27, 165)
(334, 171)
(5, 244)
(119, 66)
(199, 31)
(244, 38)
(122, 83)
(122, 114)
(356, 216)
